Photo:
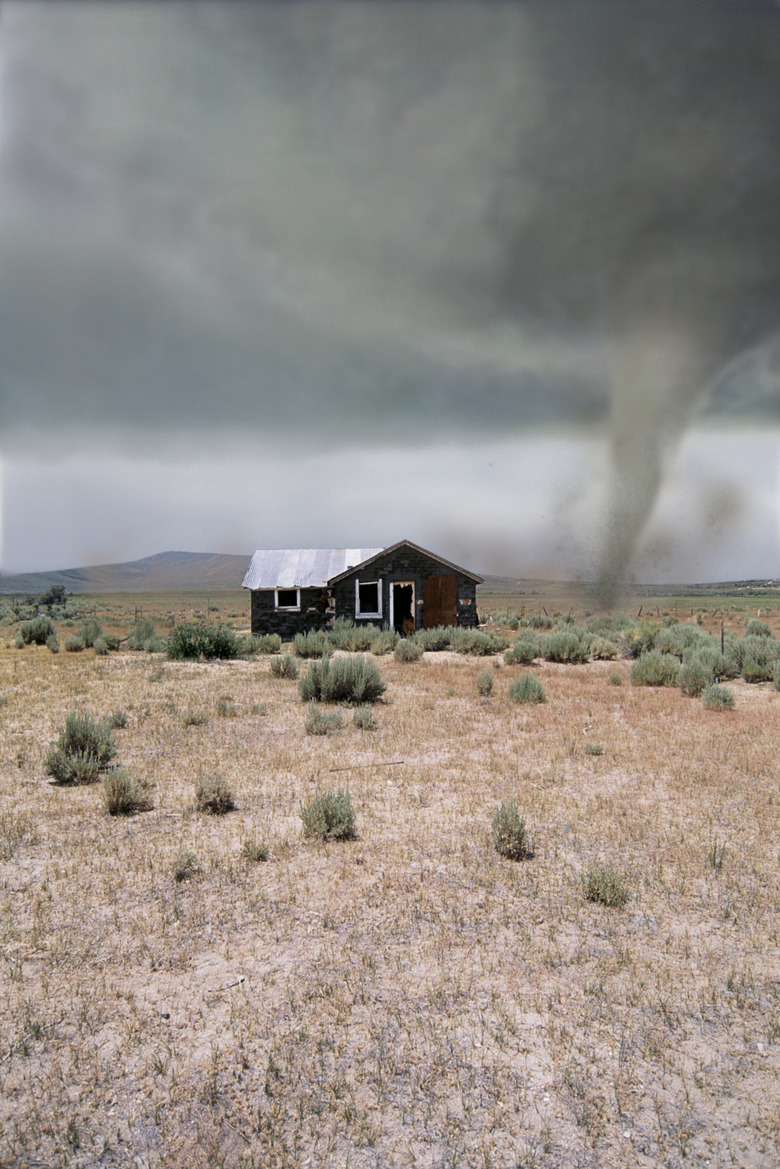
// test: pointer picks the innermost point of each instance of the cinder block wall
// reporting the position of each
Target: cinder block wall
(267, 619)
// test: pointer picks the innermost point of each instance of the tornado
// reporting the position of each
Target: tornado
(349, 221)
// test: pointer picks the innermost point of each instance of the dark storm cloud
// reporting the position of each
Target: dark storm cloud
(188, 225)
(359, 218)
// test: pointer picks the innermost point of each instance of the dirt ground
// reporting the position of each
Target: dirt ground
(409, 997)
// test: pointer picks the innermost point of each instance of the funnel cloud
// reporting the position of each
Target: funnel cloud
(371, 223)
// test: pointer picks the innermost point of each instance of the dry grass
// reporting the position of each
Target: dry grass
(407, 998)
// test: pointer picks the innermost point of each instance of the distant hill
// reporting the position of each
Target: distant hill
(174, 571)
(166, 570)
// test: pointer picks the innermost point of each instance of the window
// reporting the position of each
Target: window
(288, 598)
(368, 599)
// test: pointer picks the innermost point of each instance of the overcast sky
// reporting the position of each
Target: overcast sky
(500, 278)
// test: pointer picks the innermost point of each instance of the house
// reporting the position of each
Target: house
(405, 587)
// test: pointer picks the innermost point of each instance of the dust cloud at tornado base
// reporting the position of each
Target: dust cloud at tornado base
(327, 219)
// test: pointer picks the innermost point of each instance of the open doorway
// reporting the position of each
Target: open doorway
(402, 609)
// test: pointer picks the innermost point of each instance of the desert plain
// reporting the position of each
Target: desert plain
(408, 997)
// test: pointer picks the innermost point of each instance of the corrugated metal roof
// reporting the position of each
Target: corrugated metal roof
(301, 568)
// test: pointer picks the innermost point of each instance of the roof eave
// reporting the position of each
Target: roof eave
(408, 543)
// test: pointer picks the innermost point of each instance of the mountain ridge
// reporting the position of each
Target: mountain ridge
(163, 570)
(181, 571)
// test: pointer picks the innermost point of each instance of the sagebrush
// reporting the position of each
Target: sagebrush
(214, 794)
(510, 834)
(83, 750)
(330, 816)
(353, 680)
(124, 794)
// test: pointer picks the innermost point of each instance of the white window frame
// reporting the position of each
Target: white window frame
(296, 608)
(360, 612)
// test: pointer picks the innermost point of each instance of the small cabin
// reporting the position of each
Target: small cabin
(404, 587)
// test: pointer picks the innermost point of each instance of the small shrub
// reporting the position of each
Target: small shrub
(605, 885)
(408, 650)
(83, 750)
(36, 632)
(320, 722)
(142, 632)
(214, 795)
(144, 637)
(615, 679)
(510, 620)
(74, 644)
(527, 688)
(354, 680)
(477, 643)
(510, 835)
(434, 639)
(564, 646)
(361, 638)
(262, 643)
(540, 622)
(363, 718)
(384, 641)
(193, 640)
(185, 865)
(677, 639)
(635, 640)
(755, 671)
(123, 795)
(720, 665)
(254, 851)
(523, 652)
(602, 650)
(609, 627)
(757, 628)
(694, 677)
(117, 720)
(314, 644)
(195, 718)
(329, 816)
(100, 646)
(72, 767)
(226, 707)
(52, 643)
(655, 669)
(594, 749)
(717, 698)
(91, 631)
(485, 683)
(284, 667)
(756, 655)
(55, 595)
(347, 636)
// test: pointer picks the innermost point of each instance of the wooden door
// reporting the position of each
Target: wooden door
(440, 601)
